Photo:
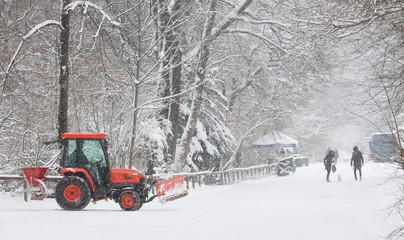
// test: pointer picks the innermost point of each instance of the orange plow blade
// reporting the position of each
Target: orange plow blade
(171, 189)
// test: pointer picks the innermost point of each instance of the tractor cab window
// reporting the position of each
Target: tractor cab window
(81, 153)
(70, 160)
(94, 153)
(96, 162)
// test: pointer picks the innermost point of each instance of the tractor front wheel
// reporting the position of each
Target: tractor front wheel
(72, 193)
(129, 200)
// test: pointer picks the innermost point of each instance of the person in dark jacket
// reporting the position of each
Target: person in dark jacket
(357, 162)
(328, 160)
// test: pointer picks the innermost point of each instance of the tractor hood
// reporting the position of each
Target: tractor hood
(119, 175)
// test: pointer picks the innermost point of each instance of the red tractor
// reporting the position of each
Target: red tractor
(87, 175)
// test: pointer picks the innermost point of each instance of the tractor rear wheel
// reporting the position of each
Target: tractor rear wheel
(129, 200)
(72, 193)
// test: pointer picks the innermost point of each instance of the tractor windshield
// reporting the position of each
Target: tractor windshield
(93, 152)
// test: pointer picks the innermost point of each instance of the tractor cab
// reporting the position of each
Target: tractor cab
(88, 152)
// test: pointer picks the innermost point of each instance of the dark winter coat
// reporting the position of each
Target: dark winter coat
(328, 160)
(357, 159)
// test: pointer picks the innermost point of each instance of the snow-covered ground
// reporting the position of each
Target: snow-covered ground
(301, 206)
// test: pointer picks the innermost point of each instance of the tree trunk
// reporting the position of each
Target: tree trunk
(176, 55)
(134, 125)
(174, 103)
(64, 71)
(136, 92)
(164, 49)
(200, 78)
(170, 84)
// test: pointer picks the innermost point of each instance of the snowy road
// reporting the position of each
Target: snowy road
(302, 206)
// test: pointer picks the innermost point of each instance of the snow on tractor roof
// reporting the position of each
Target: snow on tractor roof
(84, 135)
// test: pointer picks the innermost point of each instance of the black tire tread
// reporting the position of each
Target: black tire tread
(85, 193)
(138, 201)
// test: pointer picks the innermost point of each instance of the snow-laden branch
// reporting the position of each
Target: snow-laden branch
(4, 117)
(307, 22)
(241, 141)
(267, 41)
(171, 96)
(40, 26)
(264, 22)
(245, 83)
(230, 18)
(225, 23)
(361, 23)
(86, 5)
(37, 28)
(364, 24)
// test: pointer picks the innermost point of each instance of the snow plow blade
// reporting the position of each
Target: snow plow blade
(171, 189)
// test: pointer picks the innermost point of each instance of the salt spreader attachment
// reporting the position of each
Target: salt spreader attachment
(171, 189)
(87, 175)
(34, 178)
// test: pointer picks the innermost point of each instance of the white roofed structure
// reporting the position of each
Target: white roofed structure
(276, 139)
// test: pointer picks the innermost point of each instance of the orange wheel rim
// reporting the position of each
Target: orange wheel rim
(72, 193)
(127, 201)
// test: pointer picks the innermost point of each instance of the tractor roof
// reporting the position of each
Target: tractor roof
(83, 135)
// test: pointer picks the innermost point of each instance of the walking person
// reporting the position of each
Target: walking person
(328, 160)
(357, 162)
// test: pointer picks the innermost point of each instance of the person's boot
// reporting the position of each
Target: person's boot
(328, 180)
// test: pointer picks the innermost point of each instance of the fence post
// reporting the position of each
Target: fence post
(199, 180)
(193, 182)
(25, 193)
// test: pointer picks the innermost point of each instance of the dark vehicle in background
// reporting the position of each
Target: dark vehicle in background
(381, 147)
(300, 160)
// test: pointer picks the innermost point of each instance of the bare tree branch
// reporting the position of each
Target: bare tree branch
(37, 28)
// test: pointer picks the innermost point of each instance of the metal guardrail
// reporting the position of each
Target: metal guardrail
(225, 177)
(192, 179)
(21, 178)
